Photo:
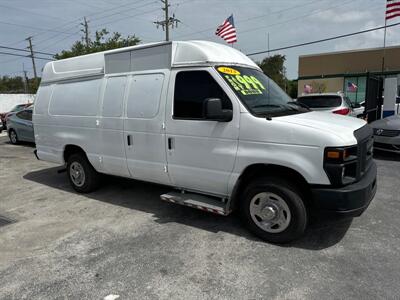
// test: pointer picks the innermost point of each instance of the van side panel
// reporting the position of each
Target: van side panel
(71, 118)
(43, 139)
(112, 126)
(143, 126)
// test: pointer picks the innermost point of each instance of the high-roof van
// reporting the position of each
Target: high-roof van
(202, 118)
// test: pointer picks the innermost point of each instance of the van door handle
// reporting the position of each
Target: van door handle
(129, 139)
(170, 143)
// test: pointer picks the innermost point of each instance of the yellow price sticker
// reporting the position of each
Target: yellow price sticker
(227, 70)
(246, 85)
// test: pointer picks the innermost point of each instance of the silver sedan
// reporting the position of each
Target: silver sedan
(20, 127)
(387, 134)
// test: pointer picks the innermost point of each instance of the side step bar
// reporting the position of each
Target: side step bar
(197, 201)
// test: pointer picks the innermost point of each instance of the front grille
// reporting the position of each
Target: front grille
(386, 132)
(387, 146)
(364, 150)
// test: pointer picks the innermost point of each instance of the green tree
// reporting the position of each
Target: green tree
(292, 88)
(16, 85)
(102, 41)
(274, 68)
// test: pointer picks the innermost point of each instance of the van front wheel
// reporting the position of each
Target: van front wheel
(273, 210)
(81, 174)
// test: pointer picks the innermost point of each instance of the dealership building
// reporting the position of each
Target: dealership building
(347, 71)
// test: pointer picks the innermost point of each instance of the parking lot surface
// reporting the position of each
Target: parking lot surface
(122, 240)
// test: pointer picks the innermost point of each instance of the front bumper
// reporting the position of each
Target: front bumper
(390, 144)
(350, 200)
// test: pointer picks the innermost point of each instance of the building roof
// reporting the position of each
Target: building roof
(163, 55)
(350, 51)
(354, 62)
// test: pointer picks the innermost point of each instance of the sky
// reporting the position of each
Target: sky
(55, 25)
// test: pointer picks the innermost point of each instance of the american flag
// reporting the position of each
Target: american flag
(227, 31)
(392, 9)
(351, 87)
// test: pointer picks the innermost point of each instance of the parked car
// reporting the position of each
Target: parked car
(15, 109)
(205, 120)
(20, 127)
(387, 134)
(359, 109)
(336, 103)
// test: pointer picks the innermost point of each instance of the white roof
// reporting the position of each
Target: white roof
(162, 55)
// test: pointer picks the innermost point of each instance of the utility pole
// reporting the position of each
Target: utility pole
(168, 21)
(25, 79)
(30, 47)
(85, 31)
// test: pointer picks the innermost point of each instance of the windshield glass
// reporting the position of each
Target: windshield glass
(320, 101)
(260, 95)
(18, 107)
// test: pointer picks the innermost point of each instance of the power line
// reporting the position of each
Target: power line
(33, 27)
(314, 12)
(128, 16)
(251, 19)
(324, 40)
(97, 25)
(122, 12)
(26, 56)
(44, 31)
(24, 50)
(30, 12)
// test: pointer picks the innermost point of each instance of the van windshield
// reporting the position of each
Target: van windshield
(261, 96)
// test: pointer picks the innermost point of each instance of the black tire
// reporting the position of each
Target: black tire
(11, 134)
(91, 180)
(290, 195)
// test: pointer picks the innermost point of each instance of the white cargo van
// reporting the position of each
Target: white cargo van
(202, 118)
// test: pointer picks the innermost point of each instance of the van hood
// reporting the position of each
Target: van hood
(342, 127)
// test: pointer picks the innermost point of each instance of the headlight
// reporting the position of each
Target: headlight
(340, 164)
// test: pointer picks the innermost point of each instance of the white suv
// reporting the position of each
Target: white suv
(336, 103)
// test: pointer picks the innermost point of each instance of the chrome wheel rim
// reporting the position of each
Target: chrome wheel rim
(77, 174)
(13, 137)
(270, 212)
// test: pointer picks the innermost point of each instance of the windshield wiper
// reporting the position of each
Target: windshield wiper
(266, 105)
(299, 104)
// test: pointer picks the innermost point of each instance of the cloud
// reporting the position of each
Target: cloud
(369, 39)
(335, 16)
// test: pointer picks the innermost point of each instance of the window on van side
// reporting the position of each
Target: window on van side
(144, 96)
(192, 88)
(77, 98)
(114, 96)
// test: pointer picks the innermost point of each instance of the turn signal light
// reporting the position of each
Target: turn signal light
(342, 111)
(333, 154)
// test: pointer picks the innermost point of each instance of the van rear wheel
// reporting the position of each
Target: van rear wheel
(81, 174)
(274, 210)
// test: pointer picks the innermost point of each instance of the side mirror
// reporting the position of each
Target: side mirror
(213, 111)
(356, 105)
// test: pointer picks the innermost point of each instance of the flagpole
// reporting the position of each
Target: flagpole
(384, 47)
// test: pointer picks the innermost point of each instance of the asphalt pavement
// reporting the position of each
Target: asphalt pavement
(123, 240)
